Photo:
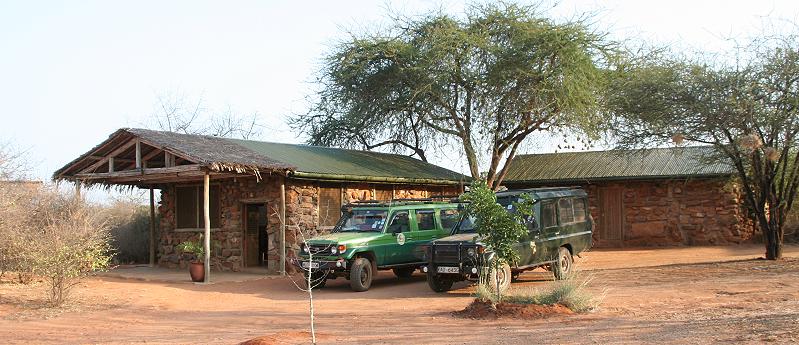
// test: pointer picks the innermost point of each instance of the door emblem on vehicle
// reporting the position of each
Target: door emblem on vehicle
(400, 238)
(532, 246)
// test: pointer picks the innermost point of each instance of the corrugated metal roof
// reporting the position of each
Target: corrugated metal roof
(335, 161)
(617, 164)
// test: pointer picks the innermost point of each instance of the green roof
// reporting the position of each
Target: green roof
(349, 164)
(658, 163)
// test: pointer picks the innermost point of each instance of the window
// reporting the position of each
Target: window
(189, 207)
(426, 220)
(399, 223)
(565, 211)
(329, 205)
(579, 210)
(449, 218)
(548, 215)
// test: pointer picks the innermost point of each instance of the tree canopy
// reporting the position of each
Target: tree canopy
(485, 81)
(746, 109)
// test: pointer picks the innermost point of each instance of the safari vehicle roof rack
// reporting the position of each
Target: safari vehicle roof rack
(404, 201)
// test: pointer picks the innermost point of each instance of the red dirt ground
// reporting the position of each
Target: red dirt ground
(678, 295)
(483, 310)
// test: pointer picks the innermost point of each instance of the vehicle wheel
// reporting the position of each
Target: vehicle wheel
(318, 279)
(504, 276)
(563, 267)
(437, 283)
(405, 272)
(361, 274)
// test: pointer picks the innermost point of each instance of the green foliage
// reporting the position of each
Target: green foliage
(196, 248)
(497, 228)
(485, 81)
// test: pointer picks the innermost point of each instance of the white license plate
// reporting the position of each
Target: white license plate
(306, 264)
(442, 269)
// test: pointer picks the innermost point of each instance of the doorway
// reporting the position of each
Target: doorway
(611, 210)
(256, 239)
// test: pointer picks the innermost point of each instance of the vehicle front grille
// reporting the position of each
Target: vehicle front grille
(445, 254)
(323, 249)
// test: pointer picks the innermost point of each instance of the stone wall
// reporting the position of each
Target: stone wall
(674, 212)
(302, 199)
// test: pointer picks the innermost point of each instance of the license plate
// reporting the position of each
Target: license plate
(306, 264)
(442, 269)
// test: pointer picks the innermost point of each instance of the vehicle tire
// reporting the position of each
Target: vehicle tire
(361, 274)
(562, 268)
(437, 283)
(404, 273)
(504, 275)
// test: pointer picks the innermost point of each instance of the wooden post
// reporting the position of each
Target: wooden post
(152, 227)
(110, 164)
(138, 155)
(283, 227)
(207, 216)
(77, 190)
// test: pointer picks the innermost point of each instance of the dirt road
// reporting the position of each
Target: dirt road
(678, 295)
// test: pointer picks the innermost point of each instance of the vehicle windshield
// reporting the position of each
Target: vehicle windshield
(466, 226)
(467, 222)
(359, 220)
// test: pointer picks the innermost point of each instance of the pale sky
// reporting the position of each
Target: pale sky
(73, 72)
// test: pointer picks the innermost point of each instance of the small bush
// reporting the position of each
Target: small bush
(53, 236)
(570, 292)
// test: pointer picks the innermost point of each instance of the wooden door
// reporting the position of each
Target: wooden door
(255, 236)
(611, 212)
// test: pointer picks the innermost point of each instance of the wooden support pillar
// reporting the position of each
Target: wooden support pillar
(283, 227)
(138, 155)
(77, 189)
(207, 217)
(110, 164)
(152, 227)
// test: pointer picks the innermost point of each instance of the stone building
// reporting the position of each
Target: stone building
(654, 197)
(252, 187)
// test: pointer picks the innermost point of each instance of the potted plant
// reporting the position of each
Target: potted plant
(197, 266)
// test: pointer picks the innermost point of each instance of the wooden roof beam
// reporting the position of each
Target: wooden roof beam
(114, 153)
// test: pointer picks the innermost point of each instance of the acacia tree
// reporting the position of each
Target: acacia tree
(747, 110)
(485, 81)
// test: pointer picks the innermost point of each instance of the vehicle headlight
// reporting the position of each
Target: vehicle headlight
(305, 248)
(471, 252)
(333, 250)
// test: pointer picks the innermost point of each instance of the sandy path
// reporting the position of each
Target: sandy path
(683, 302)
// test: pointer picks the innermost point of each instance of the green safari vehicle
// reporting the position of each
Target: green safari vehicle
(560, 228)
(376, 235)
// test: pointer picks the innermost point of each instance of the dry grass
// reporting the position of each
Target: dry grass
(571, 293)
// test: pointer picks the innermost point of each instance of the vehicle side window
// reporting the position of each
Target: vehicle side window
(399, 223)
(426, 220)
(449, 218)
(565, 211)
(548, 215)
(579, 210)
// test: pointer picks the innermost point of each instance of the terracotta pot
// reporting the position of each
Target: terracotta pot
(197, 271)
